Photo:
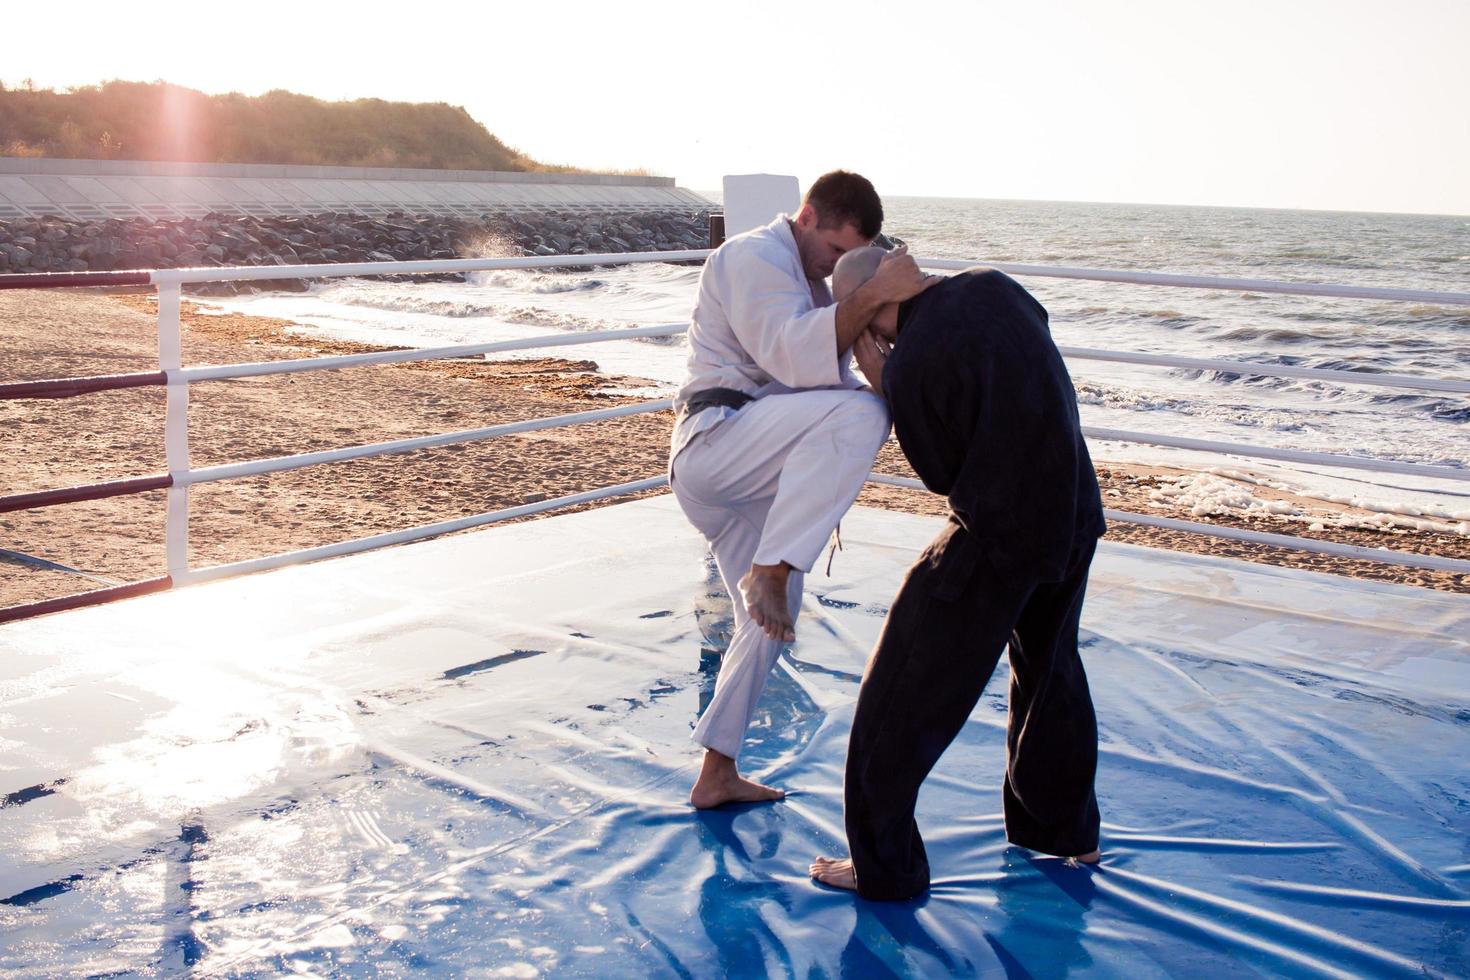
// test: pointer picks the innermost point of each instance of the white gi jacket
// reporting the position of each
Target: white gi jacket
(759, 326)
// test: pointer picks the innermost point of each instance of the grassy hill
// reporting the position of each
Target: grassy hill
(158, 121)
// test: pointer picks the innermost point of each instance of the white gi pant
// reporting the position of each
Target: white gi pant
(769, 484)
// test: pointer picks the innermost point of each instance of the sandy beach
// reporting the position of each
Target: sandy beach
(106, 436)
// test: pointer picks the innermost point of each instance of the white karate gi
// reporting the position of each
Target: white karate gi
(767, 483)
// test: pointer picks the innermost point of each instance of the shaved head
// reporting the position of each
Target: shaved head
(853, 269)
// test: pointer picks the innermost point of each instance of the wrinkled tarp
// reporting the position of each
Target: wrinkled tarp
(471, 755)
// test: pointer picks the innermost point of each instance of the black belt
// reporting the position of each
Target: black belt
(712, 397)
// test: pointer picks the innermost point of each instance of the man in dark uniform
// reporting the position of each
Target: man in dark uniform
(985, 411)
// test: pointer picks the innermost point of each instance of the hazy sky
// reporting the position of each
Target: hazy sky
(1290, 103)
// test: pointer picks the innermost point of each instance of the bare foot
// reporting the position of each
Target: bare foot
(764, 592)
(719, 783)
(838, 874)
(1091, 857)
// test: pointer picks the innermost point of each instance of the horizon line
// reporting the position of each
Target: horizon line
(1143, 204)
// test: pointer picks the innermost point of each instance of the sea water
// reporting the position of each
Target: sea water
(1414, 251)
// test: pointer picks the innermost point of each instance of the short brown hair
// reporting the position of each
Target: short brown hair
(841, 198)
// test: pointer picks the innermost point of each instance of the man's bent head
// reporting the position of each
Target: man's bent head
(841, 212)
(855, 268)
(843, 198)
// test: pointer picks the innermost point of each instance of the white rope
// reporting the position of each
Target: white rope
(1268, 370)
(1384, 555)
(1208, 282)
(259, 369)
(424, 353)
(250, 370)
(415, 533)
(329, 270)
(1287, 455)
(281, 464)
(333, 270)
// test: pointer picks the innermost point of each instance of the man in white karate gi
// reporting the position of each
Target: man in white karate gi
(775, 435)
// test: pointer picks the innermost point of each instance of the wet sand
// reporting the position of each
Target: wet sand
(113, 435)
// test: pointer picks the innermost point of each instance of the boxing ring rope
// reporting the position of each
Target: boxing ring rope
(71, 387)
(425, 353)
(1369, 463)
(1384, 555)
(425, 531)
(175, 378)
(282, 464)
(1338, 290)
(1267, 370)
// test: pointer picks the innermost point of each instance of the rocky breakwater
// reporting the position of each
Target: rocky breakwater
(53, 243)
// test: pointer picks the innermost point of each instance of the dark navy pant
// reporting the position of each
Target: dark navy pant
(941, 642)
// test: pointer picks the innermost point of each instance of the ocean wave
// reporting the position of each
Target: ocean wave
(527, 315)
(1415, 343)
(559, 319)
(1421, 316)
(1273, 335)
(537, 282)
(1408, 403)
(1325, 414)
(1122, 399)
(1173, 319)
(409, 303)
(1436, 408)
(1363, 364)
(654, 275)
(676, 340)
(1307, 252)
(1223, 491)
(1323, 314)
(1106, 396)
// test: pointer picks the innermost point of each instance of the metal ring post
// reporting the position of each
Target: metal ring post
(176, 429)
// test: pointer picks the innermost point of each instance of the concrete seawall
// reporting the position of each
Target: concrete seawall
(52, 243)
(101, 189)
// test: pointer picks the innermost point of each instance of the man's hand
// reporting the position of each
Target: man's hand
(898, 277)
(872, 352)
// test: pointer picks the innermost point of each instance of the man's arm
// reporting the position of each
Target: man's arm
(872, 353)
(773, 319)
(799, 345)
(898, 278)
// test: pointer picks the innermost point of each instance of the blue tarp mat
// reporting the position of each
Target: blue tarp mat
(471, 756)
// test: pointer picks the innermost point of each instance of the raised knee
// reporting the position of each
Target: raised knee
(868, 414)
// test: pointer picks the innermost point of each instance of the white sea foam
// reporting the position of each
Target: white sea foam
(1220, 492)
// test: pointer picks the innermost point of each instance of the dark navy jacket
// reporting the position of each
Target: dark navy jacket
(985, 411)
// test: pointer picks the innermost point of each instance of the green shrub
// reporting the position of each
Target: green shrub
(157, 121)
